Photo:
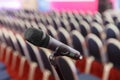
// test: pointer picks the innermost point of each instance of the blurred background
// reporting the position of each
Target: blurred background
(59, 5)
(90, 26)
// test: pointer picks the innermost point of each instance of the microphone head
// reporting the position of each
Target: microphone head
(36, 37)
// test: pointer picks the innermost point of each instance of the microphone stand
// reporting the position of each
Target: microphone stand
(52, 59)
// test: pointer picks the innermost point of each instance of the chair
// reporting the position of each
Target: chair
(89, 69)
(49, 20)
(107, 19)
(80, 65)
(98, 18)
(65, 24)
(6, 57)
(96, 48)
(114, 74)
(44, 20)
(111, 70)
(24, 69)
(107, 71)
(35, 72)
(22, 46)
(33, 24)
(78, 17)
(84, 28)
(44, 56)
(97, 69)
(21, 25)
(87, 17)
(16, 26)
(10, 23)
(9, 59)
(4, 51)
(52, 32)
(18, 67)
(39, 56)
(78, 41)
(3, 48)
(97, 29)
(13, 40)
(112, 31)
(36, 18)
(42, 27)
(66, 66)
(45, 53)
(56, 23)
(63, 14)
(31, 52)
(34, 55)
(115, 18)
(54, 13)
(113, 51)
(6, 37)
(8, 54)
(64, 36)
(74, 25)
(14, 71)
(2, 39)
(118, 24)
(69, 15)
(27, 25)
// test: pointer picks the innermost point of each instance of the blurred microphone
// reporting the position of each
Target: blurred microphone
(40, 39)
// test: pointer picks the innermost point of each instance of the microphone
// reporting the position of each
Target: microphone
(38, 38)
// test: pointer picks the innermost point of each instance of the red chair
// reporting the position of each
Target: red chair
(51, 77)
(9, 61)
(80, 64)
(3, 52)
(4, 56)
(97, 69)
(35, 72)
(8, 54)
(67, 68)
(14, 71)
(114, 74)
(24, 69)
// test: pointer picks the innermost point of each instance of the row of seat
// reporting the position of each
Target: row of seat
(17, 43)
(86, 47)
(32, 53)
(75, 40)
(97, 53)
(19, 67)
(110, 30)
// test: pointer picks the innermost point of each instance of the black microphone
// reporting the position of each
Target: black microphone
(40, 39)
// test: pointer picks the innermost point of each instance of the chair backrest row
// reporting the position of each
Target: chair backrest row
(20, 68)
